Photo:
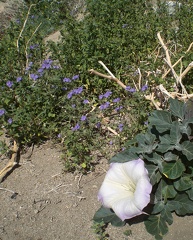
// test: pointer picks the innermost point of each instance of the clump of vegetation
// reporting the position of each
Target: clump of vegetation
(51, 91)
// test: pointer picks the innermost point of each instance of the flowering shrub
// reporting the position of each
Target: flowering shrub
(167, 151)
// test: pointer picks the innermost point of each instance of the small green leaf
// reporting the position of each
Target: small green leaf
(177, 108)
(161, 120)
(173, 170)
(108, 216)
(183, 183)
(156, 225)
(187, 149)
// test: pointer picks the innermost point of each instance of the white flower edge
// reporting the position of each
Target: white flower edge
(126, 189)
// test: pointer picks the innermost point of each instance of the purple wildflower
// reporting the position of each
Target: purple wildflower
(124, 25)
(76, 127)
(146, 123)
(98, 125)
(75, 77)
(73, 105)
(64, 88)
(47, 63)
(66, 80)
(83, 118)
(70, 94)
(144, 88)
(116, 100)
(101, 96)
(9, 84)
(127, 88)
(2, 112)
(10, 120)
(78, 90)
(107, 94)
(85, 101)
(34, 76)
(18, 79)
(34, 46)
(118, 108)
(59, 135)
(40, 70)
(111, 142)
(56, 67)
(104, 106)
(132, 90)
(120, 127)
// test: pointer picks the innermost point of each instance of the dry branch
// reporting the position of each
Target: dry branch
(12, 162)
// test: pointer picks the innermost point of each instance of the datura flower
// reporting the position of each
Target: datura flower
(126, 189)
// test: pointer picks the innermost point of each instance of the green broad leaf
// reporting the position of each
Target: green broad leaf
(177, 108)
(173, 170)
(169, 156)
(162, 148)
(167, 215)
(172, 205)
(144, 139)
(158, 207)
(186, 204)
(156, 226)
(185, 128)
(154, 174)
(175, 134)
(153, 157)
(188, 110)
(187, 149)
(183, 183)
(124, 156)
(146, 143)
(168, 191)
(190, 193)
(161, 120)
(108, 216)
(165, 139)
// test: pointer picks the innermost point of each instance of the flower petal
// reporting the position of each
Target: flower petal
(126, 189)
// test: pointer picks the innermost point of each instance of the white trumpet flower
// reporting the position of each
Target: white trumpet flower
(126, 189)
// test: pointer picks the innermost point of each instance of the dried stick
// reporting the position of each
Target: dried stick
(190, 66)
(180, 59)
(11, 164)
(140, 76)
(92, 71)
(20, 34)
(105, 67)
(28, 43)
(151, 98)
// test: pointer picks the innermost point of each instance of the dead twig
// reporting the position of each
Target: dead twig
(23, 27)
(12, 162)
(92, 71)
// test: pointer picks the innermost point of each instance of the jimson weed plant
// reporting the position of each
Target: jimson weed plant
(157, 173)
